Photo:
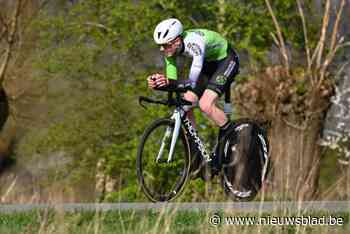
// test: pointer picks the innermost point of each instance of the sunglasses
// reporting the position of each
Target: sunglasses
(166, 45)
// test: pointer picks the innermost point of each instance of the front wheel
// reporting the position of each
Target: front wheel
(160, 179)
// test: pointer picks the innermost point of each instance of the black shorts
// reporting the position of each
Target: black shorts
(218, 75)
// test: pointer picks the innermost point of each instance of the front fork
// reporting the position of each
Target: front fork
(178, 113)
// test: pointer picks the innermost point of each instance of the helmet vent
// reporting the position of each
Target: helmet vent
(173, 23)
(159, 34)
(166, 33)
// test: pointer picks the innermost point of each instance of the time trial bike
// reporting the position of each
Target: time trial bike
(166, 158)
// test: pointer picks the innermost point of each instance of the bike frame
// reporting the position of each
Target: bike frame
(180, 118)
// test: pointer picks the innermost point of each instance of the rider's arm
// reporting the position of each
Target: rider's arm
(196, 68)
(195, 46)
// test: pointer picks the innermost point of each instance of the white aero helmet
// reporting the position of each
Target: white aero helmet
(167, 30)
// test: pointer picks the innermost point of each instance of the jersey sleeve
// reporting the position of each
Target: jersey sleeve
(196, 48)
(170, 68)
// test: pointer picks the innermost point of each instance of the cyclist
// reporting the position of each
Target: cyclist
(214, 66)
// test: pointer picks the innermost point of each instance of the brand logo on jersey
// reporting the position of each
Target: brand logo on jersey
(194, 48)
(221, 80)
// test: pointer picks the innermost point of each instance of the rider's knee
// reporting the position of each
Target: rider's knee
(191, 97)
(207, 102)
(206, 107)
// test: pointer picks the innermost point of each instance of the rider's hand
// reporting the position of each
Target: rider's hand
(157, 81)
(161, 81)
(152, 81)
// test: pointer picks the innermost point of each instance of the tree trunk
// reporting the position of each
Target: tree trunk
(295, 156)
(17, 13)
(4, 113)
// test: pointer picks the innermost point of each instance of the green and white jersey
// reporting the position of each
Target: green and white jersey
(202, 45)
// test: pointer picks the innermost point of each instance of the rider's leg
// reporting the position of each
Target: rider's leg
(207, 104)
(218, 84)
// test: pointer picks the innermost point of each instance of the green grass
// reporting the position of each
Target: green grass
(169, 221)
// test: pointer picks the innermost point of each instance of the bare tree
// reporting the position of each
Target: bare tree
(279, 40)
(317, 59)
(7, 35)
(221, 15)
(8, 31)
(296, 120)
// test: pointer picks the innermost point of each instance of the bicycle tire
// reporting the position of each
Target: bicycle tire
(146, 152)
(237, 181)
